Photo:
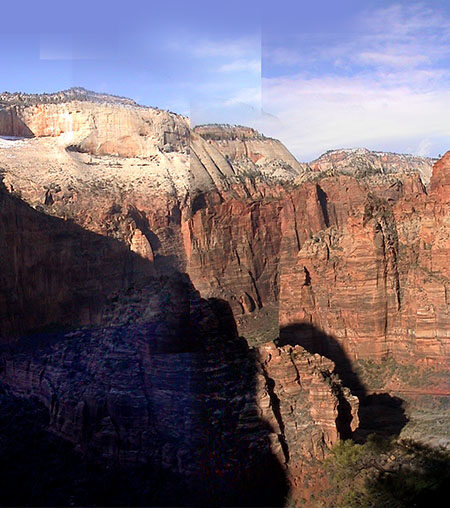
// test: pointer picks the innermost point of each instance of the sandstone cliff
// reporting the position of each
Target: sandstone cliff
(101, 129)
(343, 263)
(371, 264)
(235, 215)
(170, 383)
(362, 162)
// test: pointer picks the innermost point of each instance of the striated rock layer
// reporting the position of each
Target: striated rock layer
(134, 252)
(112, 127)
(346, 253)
(376, 279)
(170, 383)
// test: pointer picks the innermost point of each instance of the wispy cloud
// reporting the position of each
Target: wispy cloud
(386, 85)
(391, 59)
(242, 65)
(249, 96)
(406, 35)
(325, 113)
(400, 20)
(205, 48)
(226, 86)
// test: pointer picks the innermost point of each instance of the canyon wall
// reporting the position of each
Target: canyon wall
(346, 253)
(169, 382)
(371, 279)
(109, 128)
(171, 290)
(54, 272)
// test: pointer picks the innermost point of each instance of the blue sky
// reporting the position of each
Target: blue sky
(318, 77)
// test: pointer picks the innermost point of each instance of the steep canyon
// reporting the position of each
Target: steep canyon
(198, 300)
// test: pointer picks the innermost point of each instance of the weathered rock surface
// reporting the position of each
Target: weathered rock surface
(371, 279)
(250, 153)
(105, 203)
(53, 272)
(115, 127)
(361, 162)
(169, 382)
(239, 233)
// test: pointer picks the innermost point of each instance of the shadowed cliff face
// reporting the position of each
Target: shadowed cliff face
(159, 376)
(38, 468)
(12, 125)
(140, 362)
(355, 254)
(167, 382)
(53, 272)
(378, 412)
(224, 424)
(129, 397)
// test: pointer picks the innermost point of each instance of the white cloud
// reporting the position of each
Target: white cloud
(242, 65)
(226, 86)
(400, 35)
(385, 86)
(248, 96)
(415, 18)
(326, 113)
(390, 59)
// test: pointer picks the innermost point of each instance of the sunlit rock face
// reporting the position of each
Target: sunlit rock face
(363, 163)
(248, 151)
(102, 125)
(171, 290)
(381, 274)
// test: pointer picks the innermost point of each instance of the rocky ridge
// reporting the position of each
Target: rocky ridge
(336, 265)
(134, 391)
(361, 162)
(74, 93)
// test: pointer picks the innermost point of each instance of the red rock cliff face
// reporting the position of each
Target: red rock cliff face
(371, 279)
(346, 254)
(347, 266)
(337, 254)
(232, 252)
(168, 382)
(54, 272)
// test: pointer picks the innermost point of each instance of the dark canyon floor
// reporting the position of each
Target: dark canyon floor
(190, 316)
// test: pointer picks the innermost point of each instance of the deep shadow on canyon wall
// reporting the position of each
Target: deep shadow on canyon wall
(155, 394)
(378, 412)
(12, 125)
(226, 457)
(53, 272)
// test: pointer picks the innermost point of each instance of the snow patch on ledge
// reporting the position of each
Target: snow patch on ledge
(11, 141)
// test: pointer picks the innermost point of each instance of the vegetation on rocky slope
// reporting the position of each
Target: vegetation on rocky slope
(382, 473)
